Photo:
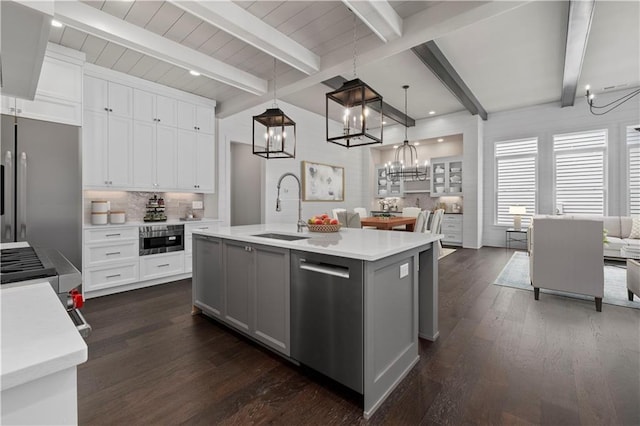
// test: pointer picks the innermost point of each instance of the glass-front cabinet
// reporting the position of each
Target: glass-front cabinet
(385, 186)
(446, 176)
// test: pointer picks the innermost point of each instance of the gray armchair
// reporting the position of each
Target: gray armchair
(567, 255)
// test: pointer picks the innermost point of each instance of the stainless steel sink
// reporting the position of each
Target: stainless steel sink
(285, 237)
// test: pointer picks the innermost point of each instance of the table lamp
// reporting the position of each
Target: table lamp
(517, 211)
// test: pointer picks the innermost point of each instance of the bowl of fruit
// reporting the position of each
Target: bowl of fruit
(323, 223)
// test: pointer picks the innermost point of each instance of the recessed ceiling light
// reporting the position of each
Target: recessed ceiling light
(431, 112)
(440, 140)
(395, 147)
(384, 122)
(56, 24)
(194, 73)
(416, 143)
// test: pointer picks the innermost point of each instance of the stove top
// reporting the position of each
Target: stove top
(25, 263)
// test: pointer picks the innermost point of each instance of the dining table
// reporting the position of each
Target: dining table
(388, 223)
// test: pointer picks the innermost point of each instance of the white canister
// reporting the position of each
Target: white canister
(99, 218)
(99, 206)
(118, 216)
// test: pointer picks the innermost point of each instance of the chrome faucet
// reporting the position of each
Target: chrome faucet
(300, 223)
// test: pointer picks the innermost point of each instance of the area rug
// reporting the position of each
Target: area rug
(445, 252)
(516, 274)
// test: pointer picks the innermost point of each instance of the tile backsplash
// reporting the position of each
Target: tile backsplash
(177, 204)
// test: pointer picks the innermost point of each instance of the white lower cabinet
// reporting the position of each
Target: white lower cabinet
(110, 257)
(110, 276)
(161, 265)
(452, 229)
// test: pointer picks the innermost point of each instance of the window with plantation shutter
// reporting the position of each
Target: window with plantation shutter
(580, 172)
(633, 166)
(515, 179)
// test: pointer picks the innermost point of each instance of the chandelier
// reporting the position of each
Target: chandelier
(359, 108)
(274, 134)
(405, 166)
(603, 109)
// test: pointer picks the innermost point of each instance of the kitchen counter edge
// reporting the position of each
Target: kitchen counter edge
(362, 244)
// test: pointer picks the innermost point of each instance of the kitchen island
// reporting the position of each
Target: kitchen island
(349, 304)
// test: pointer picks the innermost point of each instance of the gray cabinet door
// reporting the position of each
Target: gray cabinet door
(271, 303)
(239, 276)
(207, 275)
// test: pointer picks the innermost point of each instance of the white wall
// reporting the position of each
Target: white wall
(543, 121)
(311, 146)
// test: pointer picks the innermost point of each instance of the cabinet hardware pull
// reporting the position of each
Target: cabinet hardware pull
(113, 253)
(112, 235)
(112, 276)
(110, 110)
(106, 109)
(163, 265)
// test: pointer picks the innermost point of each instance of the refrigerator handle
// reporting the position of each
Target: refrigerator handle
(8, 196)
(22, 195)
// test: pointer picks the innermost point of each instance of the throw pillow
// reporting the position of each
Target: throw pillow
(635, 228)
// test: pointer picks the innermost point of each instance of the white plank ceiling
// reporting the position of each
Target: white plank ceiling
(510, 56)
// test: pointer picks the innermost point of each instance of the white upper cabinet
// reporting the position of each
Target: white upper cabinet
(166, 111)
(196, 162)
(154, 108)
(103, 95)
(196, 118)
(133, 136)
(108, 134)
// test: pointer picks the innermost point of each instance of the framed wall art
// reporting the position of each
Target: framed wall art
(322, 182)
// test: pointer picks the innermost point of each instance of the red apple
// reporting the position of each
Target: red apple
(318, 221)
(326, 221)
(324, 215)
(333, 222)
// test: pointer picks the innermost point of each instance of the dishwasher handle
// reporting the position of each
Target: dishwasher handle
(334, 270)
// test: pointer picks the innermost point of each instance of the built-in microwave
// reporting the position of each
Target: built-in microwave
(161, 239)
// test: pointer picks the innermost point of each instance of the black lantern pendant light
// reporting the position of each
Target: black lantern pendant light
(406, 165)
(274, 134)
(358, 110)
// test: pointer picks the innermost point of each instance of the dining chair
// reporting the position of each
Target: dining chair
(411, 211)
(334, 212)
(436, 224)
(420, 222)
(361, 211)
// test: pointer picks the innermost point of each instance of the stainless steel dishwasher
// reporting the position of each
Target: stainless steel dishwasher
(327, 316)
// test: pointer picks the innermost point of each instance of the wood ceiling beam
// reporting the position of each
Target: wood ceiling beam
(578, 27)
(241, 24)
(100, 24)
(430, 24)
(379, 16)
(388, 111)
(434, 59)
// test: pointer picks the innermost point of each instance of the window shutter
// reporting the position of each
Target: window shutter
(580, 172)
(516, 179)
(633, 142)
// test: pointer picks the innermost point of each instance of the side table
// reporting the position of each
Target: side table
(510, 237)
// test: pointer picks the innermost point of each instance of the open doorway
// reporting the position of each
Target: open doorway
(246, 185)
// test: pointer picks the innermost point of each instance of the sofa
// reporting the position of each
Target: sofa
(618, 228)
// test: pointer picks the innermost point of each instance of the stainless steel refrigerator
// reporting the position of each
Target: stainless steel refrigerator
(42, 185)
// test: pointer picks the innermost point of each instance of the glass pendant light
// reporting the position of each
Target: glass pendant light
(274, 134)
(354, 111)
(405, 165)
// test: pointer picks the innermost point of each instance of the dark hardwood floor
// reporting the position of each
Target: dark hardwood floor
(501, 358)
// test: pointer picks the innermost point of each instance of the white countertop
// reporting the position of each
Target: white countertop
(141, 223)
(38, 336)
(363, 244)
